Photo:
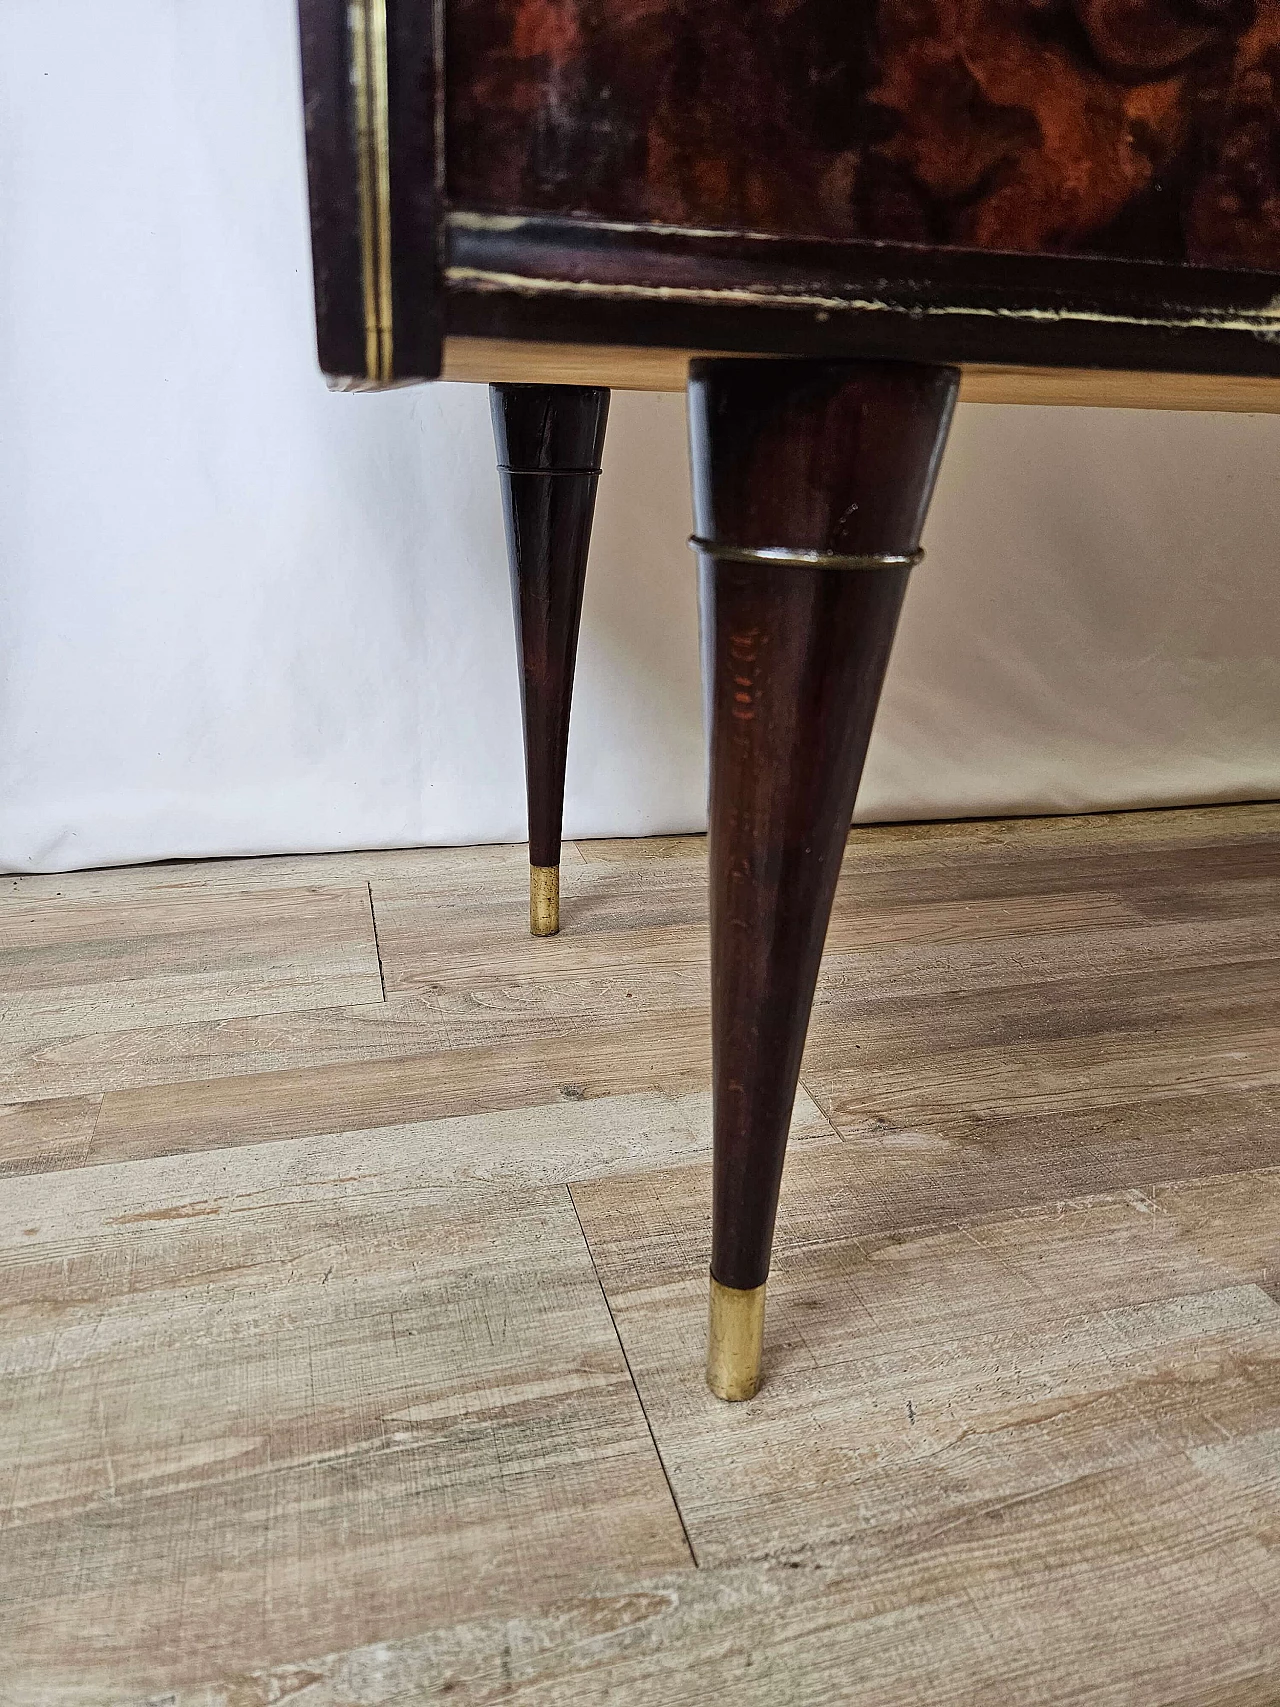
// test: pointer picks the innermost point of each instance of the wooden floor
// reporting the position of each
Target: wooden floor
(352, 1284)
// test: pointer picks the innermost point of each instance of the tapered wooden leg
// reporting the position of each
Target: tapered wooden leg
(811, 481)
(549, 439)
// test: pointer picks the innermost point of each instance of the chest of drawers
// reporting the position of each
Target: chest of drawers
(843, 215)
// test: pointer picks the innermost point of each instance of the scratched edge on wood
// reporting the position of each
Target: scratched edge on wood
(1262, 322)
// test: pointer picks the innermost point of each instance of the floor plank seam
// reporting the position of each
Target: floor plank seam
(93, 1130)
(830, 1124)
(684, 1528)
(324, 1392)
(377, 946)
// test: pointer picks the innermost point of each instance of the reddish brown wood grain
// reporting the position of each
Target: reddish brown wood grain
(830, 457)
(1147, 129)
(549, 441)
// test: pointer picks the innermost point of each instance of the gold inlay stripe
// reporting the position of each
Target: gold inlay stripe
(367, 22)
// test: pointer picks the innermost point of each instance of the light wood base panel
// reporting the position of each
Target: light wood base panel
(636, 368)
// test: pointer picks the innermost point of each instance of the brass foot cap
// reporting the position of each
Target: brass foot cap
(735, 1342)
(544, 899)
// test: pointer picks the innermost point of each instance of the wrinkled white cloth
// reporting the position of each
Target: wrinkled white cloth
(240, 614)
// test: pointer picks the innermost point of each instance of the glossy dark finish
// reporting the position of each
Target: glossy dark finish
(811, 177)
(573, 281)
(827, 456)
(416, 206)
(414, 71)
(1148, 129)
(325, 42)
(549, 441)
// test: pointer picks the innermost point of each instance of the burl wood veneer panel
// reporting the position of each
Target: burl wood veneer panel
(1148, 129)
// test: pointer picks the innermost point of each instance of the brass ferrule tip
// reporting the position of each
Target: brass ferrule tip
(735, 1342)
(544, 899)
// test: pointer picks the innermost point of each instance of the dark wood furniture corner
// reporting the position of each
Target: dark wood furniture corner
(846, 215)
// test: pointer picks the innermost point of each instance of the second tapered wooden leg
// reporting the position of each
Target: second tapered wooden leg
(549, 441)
(811, 481)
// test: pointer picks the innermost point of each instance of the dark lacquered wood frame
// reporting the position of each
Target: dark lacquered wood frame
(549, 441)
(811, 481)
(465, 272)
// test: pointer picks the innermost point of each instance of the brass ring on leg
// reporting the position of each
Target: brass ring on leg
(544, 899)
(735, 1341)
(787, 557)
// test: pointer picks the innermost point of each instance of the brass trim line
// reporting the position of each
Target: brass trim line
(550, 473)
(367, 23)
(785, 557)
(544, 900)
(735, 1341)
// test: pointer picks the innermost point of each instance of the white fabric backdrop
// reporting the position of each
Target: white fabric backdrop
(240, 614)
